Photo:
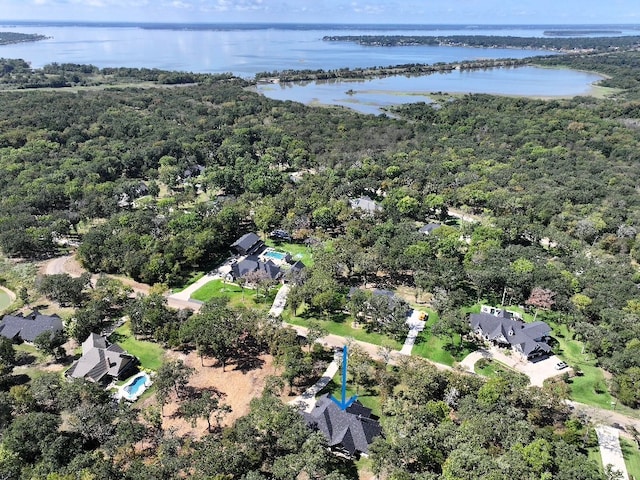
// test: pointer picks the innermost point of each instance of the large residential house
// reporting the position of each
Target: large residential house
(102, 361)
(350, 431)
(504, 329)
(248, 244)
(25, 329)
(253, 263)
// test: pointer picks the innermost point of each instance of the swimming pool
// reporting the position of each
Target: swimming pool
(275, 255)
(135, 387)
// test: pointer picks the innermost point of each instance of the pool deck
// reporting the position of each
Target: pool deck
(123, 394)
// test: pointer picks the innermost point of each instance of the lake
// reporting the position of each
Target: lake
(245, 50)
(367, 96)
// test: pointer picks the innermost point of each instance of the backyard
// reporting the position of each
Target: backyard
(237, 295)
(150, 354)
(298, 251)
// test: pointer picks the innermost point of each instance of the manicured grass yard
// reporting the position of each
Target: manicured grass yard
(237, 297)
(150, 354)
(631, 455)
(298, 251)
(341, 325)
(438, 349)
(591, 386)
(492, 369)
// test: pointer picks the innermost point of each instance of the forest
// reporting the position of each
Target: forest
(562, 44)
(156, 173)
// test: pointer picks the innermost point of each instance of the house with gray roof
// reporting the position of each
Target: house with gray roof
(503, 329)
(102, 361)
(18, 328)
(350, 431)
(248, 244)
(253, 263)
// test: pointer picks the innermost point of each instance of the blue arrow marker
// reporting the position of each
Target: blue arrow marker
(344, 403)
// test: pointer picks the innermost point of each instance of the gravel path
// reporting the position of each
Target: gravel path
(610, 449)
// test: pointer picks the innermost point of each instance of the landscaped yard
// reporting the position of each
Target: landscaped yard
(489, 368)
(150, 354)
(237, 295)
(438, 349)
(590, 387)
(341, 325)
(298, 251)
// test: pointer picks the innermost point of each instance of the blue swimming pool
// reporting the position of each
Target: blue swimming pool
(137, 386)
(275, 255)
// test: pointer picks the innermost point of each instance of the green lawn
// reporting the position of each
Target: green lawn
(438, 349)
(492, 369)
(369, 399)
(237, 295)
(590, 387)
(631, 455)
(150, 354)
(298, 251)
(341, 325)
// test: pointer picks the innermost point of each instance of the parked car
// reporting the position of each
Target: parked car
(561, 365)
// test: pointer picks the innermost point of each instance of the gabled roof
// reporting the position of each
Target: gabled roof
(29, 327)
(501, 327)
(253, 263)
(352, 429)
(100, 359)
(249, 243)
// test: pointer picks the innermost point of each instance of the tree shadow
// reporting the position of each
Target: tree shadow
(24, 358)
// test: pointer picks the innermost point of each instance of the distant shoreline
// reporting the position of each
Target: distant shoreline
(318, 26)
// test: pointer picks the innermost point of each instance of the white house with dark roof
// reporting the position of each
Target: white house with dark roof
(101, 361)
(25, 329)
(503, 329)
(351, 430)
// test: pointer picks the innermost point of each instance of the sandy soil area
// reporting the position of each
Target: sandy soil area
(237, 386)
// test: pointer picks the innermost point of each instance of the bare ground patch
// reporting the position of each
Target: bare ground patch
(238, 387)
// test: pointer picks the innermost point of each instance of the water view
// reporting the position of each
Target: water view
(245, 50)
(368, 96)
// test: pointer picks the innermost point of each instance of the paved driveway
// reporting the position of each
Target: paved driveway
(537, 372)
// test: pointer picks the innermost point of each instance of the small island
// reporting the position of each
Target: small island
(8, 38)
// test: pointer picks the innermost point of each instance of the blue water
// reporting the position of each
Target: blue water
(138, 383)
(246, 49)
(367, 96)
(275, 255)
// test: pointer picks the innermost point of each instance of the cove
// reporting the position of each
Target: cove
(372, 95)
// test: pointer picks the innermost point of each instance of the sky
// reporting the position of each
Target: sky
(474, 12)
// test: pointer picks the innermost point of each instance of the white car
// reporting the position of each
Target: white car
(561, 366)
